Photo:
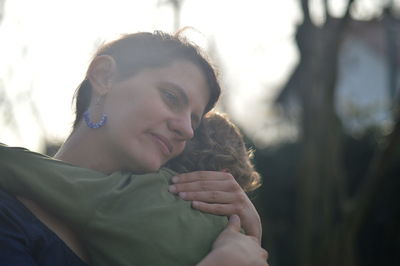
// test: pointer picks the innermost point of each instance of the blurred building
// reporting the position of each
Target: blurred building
(369, 73)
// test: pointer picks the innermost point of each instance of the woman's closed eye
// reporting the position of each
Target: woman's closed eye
(170, 98)
(177, 101)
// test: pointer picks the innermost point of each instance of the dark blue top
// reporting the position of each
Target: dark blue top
(26, 241)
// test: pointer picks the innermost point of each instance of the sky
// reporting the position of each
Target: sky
(46, 45)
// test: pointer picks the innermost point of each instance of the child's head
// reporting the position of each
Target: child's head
(218, 145)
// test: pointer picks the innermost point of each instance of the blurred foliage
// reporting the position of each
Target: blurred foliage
(378, 242)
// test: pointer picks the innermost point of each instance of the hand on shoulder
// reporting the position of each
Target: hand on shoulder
(218, 193)
(234, 248)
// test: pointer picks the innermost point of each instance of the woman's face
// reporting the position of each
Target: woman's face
(152, 114)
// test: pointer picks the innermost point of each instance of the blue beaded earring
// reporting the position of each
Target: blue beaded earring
(102, 121)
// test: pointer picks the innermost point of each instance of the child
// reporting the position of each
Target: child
(127, 219)
(218, 146)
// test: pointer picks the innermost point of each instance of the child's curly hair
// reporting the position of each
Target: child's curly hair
(218, 145)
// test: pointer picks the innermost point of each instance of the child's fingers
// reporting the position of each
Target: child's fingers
(206, 185)
(201, 175)
(209, 196)
(213, 208)
(249, 217)
(234, 223)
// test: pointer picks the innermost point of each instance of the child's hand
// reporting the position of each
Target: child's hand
(218, 193)
(233, 248)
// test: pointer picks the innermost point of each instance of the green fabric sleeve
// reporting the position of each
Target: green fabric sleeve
(52, 183)
(122, 219)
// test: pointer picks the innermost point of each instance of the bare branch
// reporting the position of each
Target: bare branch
(2, 2)
(346, 17)
(306, 10)
(326, 9)
(348, 8)
(7, 109)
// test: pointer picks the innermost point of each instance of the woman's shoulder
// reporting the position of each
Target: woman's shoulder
(24, 240)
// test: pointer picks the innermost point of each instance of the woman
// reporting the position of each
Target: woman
(108, 210)
(149, 92)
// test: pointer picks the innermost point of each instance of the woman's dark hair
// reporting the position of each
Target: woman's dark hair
(134, 52)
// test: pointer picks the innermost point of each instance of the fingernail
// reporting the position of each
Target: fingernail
(175, 179)
(234, 218)
(182, 194)
(172, 189)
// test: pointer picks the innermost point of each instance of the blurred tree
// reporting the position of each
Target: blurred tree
(2, 2)
(6, 106)
(321, 185)
(9, 104)
(7, 110)
(328, 217)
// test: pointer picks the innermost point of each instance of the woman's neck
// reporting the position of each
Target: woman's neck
(82, 149)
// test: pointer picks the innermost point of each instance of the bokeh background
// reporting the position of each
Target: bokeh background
(313, 84)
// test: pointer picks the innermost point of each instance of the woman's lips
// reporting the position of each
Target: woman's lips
(163, 142)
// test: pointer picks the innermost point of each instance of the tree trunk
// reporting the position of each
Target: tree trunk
(322, 186)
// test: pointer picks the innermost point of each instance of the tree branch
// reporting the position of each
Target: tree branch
(306, 10)
(348, 8)
(326, 10)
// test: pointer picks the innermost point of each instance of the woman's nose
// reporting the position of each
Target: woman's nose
(182, 126)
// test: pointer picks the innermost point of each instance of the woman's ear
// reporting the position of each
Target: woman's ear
(101, 73)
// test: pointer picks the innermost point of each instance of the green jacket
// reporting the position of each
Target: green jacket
(121, 218)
